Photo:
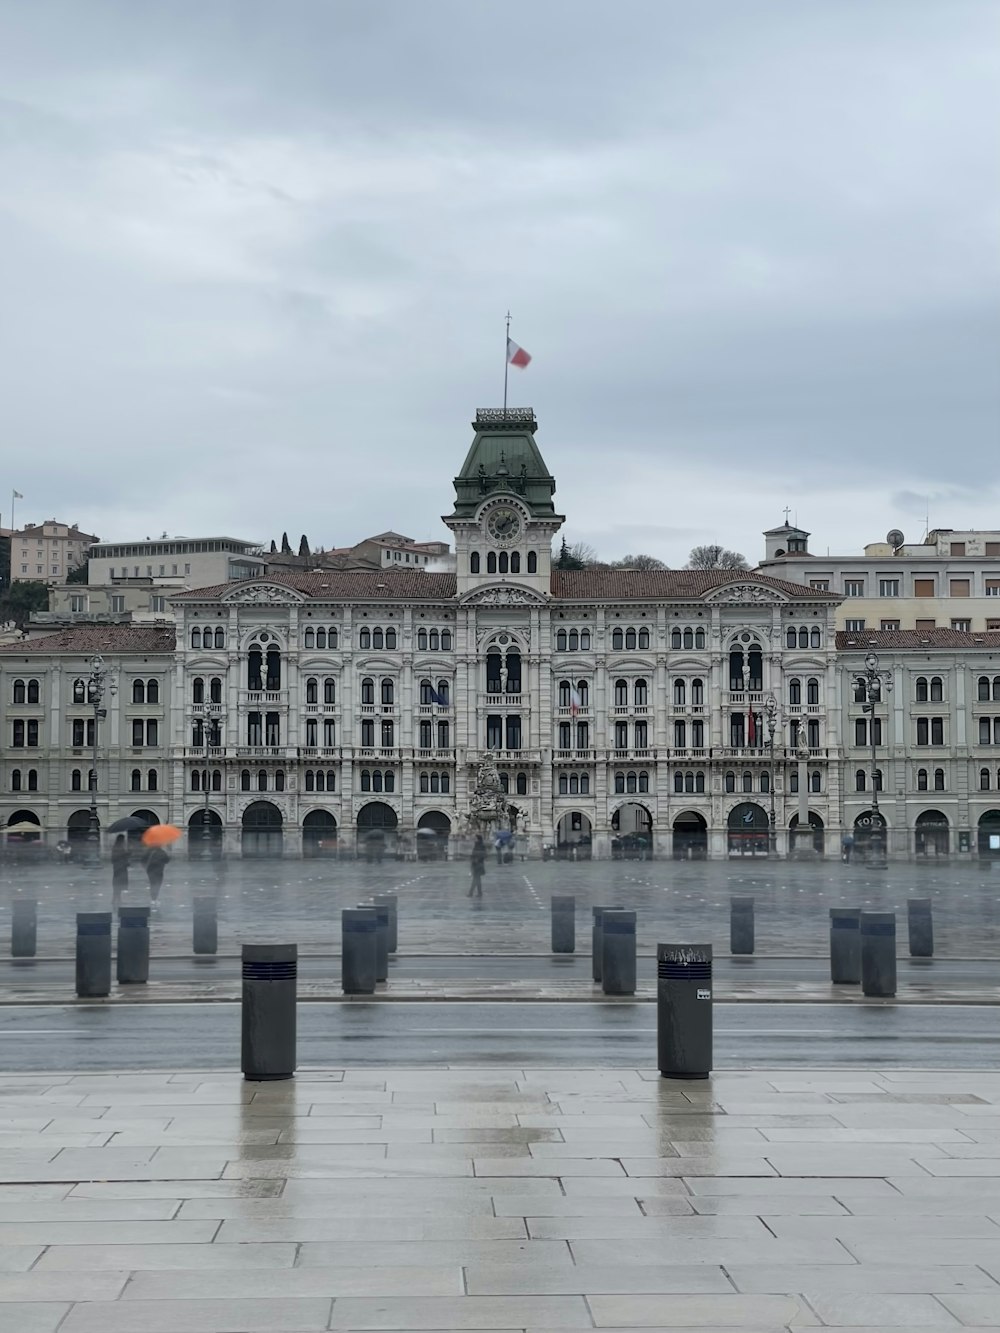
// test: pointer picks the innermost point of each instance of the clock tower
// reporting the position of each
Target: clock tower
(504, 519)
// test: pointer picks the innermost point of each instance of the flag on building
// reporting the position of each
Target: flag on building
(575, 702)
(517, 356)
(751, 729)
(437, 698)
(18, 496)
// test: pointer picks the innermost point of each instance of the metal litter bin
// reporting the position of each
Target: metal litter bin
(920, 924)
(23, 927)
(845, 946)
(270, 985)
(133, 946)
(618, 962)
(563, 923)
(205, 927)
(93, 954)
(878, 954)
(741, 925)
(597, 942)
(391, 902)
(358, 929)
(684, 1010)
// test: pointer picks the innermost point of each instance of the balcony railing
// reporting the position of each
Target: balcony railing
(574, 756)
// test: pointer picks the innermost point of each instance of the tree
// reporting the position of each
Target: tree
(581, 555)
(78, 574)
(285, 547)
(22, 598)
(274, 547)
(715, 557)
(303, 546)
(638, 562)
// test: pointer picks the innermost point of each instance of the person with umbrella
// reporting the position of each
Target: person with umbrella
(155, 840)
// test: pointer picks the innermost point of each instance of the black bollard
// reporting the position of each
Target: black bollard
(358, 928)
(93, 954)
(23, 927)
(684, 1010)
(845, 946)
(597, 942)
(921, 927)
(741, 931)
(381, 939)
(205, 935)
(391, 902)
(878, 954)
(618, 962)
(563, 923)
(133, 946)
(270, 981)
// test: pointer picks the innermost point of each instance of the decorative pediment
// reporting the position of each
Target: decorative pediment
(747, 593)
(504, 596)
(264, 594)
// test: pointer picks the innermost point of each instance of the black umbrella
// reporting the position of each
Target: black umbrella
(129, 825)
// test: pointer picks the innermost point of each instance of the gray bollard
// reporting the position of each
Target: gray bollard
(597, 942)
(133, 946)
(878, 953)
(358, 929)
(845, 946)
(684, 1010)
(381, 939)
(205, 933)
(563, 923)
(391, 902)
(921, 927)
(93, 954)
(618, 962)
(23, 927)
(741, 931)
(270, 982)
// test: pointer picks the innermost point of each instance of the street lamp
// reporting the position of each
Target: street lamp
(99, 683)
(211, 712)
(872, 683)
(771, 714)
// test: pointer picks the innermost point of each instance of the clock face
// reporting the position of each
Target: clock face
(504, 526)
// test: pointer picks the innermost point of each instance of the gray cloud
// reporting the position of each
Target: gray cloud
(255, 261)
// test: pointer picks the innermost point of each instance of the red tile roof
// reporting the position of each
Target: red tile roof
(85, 640)
(915, 639)
(622, 585)
(349, 585)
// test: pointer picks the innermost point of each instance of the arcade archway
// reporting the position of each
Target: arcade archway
(262, 830)
(433, 832)
(78, 826)
(818, 832)
(202, 841)
(931, 835)
(690, 837)
(377, 825)
(870, 834)
(632, 827)
(574, 837)
(747, 830)
(319, 834)
(989, 833)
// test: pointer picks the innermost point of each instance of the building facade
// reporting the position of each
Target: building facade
(628, 712)
(47, 552)
(196, 561)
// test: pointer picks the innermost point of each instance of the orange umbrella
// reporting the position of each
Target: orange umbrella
(161, 835)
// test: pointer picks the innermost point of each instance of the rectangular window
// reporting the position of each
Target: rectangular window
(641, 736)
(564, 736)
(854, 587)
(272, 729)
(924, 625)
(889, 624)
(821, 585)
(992, 548)
(77, 733)
(117, 603)
(158, 604)
(958, 548)
(444, 735)
(993, 626)
(854, 626)
(963, 626)
(152, 732)
(959, 587)
(513, 732)
(78, 602)
(329, 731)
(425, 736)
(494, 732)
(937, 731)
(255, 731)
(621, 735)
(138, 731)
(923, 587)
(680, 735)
(888, 587)
(368, 734)
(993, 587)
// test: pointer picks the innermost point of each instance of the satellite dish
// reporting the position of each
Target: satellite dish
(895, 538)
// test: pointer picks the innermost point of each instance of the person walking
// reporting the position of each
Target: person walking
(848, 846)
(156, 861)
(478, 861)
(119, 868)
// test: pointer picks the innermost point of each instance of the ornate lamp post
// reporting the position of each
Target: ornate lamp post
(873, 683)
(211, 713)
(771, 714)
(99, 683)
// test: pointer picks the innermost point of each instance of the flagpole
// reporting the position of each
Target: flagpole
(12, 494)
(506, 362)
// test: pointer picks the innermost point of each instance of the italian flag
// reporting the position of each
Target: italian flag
(517, 356)
(575, 702)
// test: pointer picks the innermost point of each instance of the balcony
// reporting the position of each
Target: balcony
(391, 753)
(505, 756)
(622, 756)
(264, 752)
(583, 711)
(264, 698)
(746, 697)
(430, 756)
(491, 702)
(198, 752)
(574, 756)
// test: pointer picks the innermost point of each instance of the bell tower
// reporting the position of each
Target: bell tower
(504, 518)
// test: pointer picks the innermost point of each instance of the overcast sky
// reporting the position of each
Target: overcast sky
(255, 259)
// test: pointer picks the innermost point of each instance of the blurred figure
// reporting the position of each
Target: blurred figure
(848, 846)
(156, 863)
(119, 868)
(478, 862)
(64, 852)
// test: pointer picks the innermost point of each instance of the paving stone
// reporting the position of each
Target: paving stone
(289, 1284)
(460, 1312)
(61, 1258)
(705, 1312)
(33, 1317)
(190, 1316)
(901, 1311)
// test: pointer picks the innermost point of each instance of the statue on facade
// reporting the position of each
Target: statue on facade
(487, 800)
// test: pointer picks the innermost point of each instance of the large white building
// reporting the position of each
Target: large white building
(625, 710)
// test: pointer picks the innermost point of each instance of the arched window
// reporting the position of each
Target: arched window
(675, 638)
(730, 782)
(921, 690)
(815, 638)
(630, 784)
(678, 782)
(939, 779)
(532, 562)
(390, 781)
(815, 781)
(621, 693)
(220, 637)
(644, 638)
(689, 782)
(877, 783)
(697, 692)
(425, 783)
(640, 694)
(32, 779)
(310, 780)
(434, 641)
(368, 690)
(574, 641)
(584, 784)
(262, 780)
(197, 690)
(564, 693)
(521, 784)
(321, 638)
(329, 690)
(435, 783)
(680, 692)
(585, 640)
(138, 691)
(619, 784)
(689, 638)
(984, 687)
(79, 692)
(390, 638)
(996, 689)
(206, 637)
(630, 639)
(196, 637)
(491, 562)
(505, 782)
(446, 640)
(791, 638)
(474, 563)
(984, 779)
(765, 781)
(331, 779)
(426, 696)
(617, 640)
(365, 638)
(152, 691)
(515, 562)
(936, 689)
(377, 639)
(644, 781)
(309, 640)
(803, 638)
(366, 780)
(699, 638)
(793, 780)
(748, 782)
(699, 782)
(812, 690)
(216, 779)
(561, 641)
(795, 691)
(422, 640)
(18, 696)
(136, 779)
(195, 780)
(279, 780)
(15, 780)
(387, 690)
(76, 780)
(921, 779)
(502, 563)
(215, 690)
(312, 690)
(563, 784)
(245, 780)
